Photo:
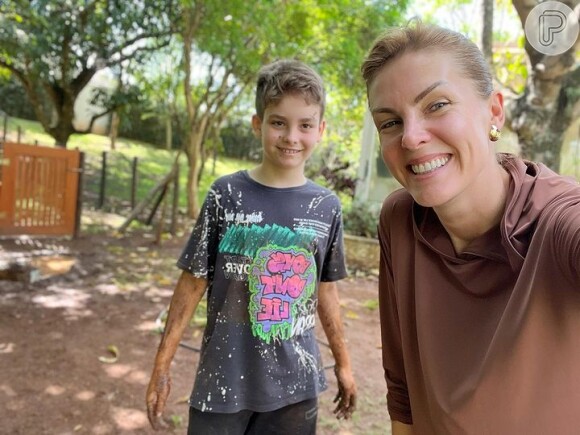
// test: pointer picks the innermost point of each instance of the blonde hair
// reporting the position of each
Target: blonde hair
(418, 36)
(284, 77)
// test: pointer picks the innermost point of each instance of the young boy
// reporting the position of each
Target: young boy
(268, 247)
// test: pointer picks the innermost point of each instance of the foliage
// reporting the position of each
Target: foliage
(239, 141)
(361, 219)
(332, 36)
(55, 47)
(13, 98)
(334, 171)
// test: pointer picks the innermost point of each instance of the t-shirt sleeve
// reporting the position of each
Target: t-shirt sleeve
(398, 402)
(199, 254)
(334, 267)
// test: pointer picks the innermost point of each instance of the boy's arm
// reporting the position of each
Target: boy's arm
(186, 296)
(329, 313)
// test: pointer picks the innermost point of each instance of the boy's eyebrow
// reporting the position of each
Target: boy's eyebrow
(310, 118)
(418, 98)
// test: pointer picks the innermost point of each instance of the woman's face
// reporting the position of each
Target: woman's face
(434, 127)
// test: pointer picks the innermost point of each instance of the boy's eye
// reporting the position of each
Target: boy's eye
(306, 126)
(277, 123)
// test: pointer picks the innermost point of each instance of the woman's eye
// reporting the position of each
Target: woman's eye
(438, 105)
(388, 124)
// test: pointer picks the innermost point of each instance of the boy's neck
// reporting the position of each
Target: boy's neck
(274, 177)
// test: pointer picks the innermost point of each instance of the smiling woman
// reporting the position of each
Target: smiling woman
(479, 272)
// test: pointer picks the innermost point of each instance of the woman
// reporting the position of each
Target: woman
(479, 281)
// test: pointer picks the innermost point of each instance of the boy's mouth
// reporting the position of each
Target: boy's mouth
(289, 150)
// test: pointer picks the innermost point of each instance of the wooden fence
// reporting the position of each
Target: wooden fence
(39, 190)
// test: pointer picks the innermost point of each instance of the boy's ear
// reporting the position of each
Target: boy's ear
(321, 128)
(497, 109)
(257, 126)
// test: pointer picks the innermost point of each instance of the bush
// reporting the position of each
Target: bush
(361, 219)
(239, 142)
(13, 100)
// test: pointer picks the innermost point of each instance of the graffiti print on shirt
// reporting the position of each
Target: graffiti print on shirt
(281, 282)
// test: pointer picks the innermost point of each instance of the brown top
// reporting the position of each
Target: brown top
(488, 341)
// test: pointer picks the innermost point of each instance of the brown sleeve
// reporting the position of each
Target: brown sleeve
(397, 396)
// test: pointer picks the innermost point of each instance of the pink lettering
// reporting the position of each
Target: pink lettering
(293, 285)
(300, 264)
(283, 262)
(274, 309)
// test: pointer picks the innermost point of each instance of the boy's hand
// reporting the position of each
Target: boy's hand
(346, 396)
(157, 393)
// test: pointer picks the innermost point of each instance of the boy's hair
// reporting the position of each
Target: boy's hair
(419, 36)
(288, 77)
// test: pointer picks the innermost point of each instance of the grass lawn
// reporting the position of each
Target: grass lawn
(153, 163)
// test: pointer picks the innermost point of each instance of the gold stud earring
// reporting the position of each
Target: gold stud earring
(494, 134)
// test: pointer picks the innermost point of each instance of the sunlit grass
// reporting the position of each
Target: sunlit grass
(153, 163)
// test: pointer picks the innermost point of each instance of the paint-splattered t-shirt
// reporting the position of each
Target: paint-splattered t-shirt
(263, 251)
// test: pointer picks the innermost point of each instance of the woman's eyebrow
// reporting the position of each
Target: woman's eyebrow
(425, 92)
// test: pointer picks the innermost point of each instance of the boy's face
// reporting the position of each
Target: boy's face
(289, 132)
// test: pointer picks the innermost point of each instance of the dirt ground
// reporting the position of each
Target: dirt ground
(76, 348)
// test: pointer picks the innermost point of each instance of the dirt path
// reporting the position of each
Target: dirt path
(56, 335)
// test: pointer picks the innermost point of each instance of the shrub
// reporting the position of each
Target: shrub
(361, 219)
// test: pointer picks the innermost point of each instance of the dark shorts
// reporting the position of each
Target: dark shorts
(297, 419)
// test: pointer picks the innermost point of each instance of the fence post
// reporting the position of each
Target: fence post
(134, 181)
(5, 128)
(19, 133)
(175, 205)
(80, 185)
(103, 180)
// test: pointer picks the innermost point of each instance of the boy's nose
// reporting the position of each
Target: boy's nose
(291, 135)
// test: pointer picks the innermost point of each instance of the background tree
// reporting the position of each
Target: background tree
(542, 92)
(225, 44)
(54, 48)
(487, 30)
(551, 99)
(160, 82)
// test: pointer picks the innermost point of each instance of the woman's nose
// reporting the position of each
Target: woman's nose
(414, 134)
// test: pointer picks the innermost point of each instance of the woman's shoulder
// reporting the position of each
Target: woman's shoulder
(397, 201)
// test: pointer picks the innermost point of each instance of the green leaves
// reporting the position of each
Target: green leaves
(54, 47)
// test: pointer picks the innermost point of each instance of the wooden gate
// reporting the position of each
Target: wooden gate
(39, 190)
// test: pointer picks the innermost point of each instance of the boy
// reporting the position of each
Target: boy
(268, 247)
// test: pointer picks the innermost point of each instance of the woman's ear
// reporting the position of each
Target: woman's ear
(257, 126)
(497, 110)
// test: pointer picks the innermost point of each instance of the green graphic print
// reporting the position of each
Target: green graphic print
(282, 277)
(281, 282)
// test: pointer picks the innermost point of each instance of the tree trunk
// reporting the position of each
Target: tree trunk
(550, 102)
(62, 127)
(193, 158)
(168, 133)
(114, 130)
(487, 31)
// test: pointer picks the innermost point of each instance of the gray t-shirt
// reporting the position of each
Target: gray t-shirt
(263, 251)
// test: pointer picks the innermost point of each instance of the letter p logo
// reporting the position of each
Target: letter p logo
(550, 23)
(551, 28)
